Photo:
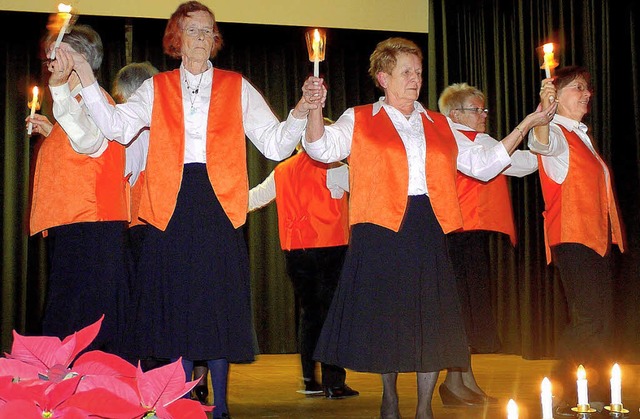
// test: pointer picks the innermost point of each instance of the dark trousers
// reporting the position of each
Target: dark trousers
(587, 279)
(314, 274)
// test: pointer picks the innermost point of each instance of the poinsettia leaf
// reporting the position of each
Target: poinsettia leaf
(17, 369)
(23, 409)
(188, 409)
(32, 390)
(38, 351)
(103, 363)
(58, 392)
(163, 385)
(103, 403)
(124, 388)
(82, 338)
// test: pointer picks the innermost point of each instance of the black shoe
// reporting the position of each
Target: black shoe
(449, 398)
(225, 415)
(340, 392)
(201, 392)
(487, 399)
(312, 389)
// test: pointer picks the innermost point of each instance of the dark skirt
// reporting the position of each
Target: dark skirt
(193, 291)
(470, 256)
(88, 277)
(396, 308)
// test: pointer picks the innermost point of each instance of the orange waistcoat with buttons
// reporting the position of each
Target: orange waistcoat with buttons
(225, 155)
(582, 209)
(308, 217)
(69, 187)
(485, 205)
(379, 171)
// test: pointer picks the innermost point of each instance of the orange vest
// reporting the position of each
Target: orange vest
(580, 209)
(379, 172)
(308, 217)
(69, 187)
(485, 205)
(226, 149)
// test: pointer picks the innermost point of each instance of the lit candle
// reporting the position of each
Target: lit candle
(33, 104)
(64, 11)
(548, 59)
(316, 53)
(583, 397)
(616, 385)
(545, 397)
(512, 409)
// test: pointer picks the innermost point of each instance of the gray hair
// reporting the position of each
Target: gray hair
(454, 96)
(84, 40)
(129, 78)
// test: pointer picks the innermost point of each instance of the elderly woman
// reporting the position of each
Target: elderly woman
(486, 214)
(581, 224)
(396, 308)
(195, 195)
(79, 203)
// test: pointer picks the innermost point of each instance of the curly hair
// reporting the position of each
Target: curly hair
(454, 96)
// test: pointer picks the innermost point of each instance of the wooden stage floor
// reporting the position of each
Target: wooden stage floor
(267, 389)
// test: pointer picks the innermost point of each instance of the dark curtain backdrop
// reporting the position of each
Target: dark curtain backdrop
(490, 44)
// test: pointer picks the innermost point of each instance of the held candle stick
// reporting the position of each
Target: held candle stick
(316, 48)
(33, 104)
(64, 11)
(316, 53)
(616, 385)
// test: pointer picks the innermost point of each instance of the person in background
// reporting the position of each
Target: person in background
(486, 215)
(313, 222)
(581, 225)
(195, 195)
(79, 202)
(396, 308)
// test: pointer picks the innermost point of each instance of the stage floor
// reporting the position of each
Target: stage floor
(267, 389)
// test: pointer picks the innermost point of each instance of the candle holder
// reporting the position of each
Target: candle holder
(316, 42)
(583, 409)
(616, 410)
(548, 54)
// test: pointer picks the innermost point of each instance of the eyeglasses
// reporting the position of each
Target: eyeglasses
(477, 111)
(194, 32)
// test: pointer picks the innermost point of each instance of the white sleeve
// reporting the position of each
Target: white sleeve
(335, 143)
(262, 194)
(338, 180)
(84, 135)
(477, 161)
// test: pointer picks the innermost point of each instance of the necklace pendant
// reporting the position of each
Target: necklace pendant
(193, 110)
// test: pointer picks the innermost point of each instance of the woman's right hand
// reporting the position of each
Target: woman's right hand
(40, 124)
(547, 92)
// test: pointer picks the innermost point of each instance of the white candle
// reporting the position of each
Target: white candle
(616, 385)
(548, 59)
(316, 53)
(583, 397)
(545, 397)
(65, 12)
(512, 409)
(34, 104)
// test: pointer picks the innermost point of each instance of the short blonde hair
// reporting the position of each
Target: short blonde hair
(384, 57)
(453, 97)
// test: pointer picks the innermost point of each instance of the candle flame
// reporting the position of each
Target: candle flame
(546, 385)
(33, 104)
(512, 409)
(64, 8)
(547, 48)
(316, 36)
(582, 373)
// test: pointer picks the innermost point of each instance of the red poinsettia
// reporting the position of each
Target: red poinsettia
(38, 380)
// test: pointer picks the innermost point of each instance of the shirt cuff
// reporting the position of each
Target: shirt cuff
(92, 93)
(60, 92)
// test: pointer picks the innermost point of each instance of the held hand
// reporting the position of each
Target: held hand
(542, 116)
(547, 91)
(314, 96)
(60, 68)
(40, 124)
